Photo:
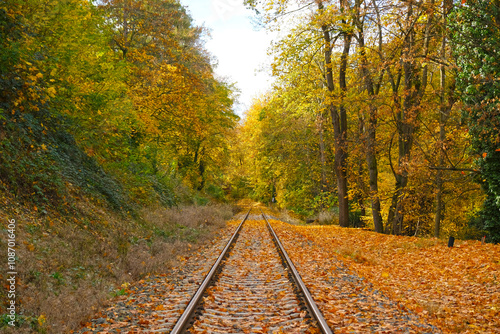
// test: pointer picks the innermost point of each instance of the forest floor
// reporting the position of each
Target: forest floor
(363, 282)
(455, 289)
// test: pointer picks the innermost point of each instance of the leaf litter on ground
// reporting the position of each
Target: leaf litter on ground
(364, 282)
(454, 289)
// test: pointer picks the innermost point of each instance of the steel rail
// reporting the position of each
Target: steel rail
(186, 316)
(311, 304)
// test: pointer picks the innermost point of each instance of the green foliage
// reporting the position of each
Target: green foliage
(240, 187)
(84, 171)
(325, 200)
(58, 277)
(215, 192)
(119, 292)
(18, 160)
(5, 319)
(200, 200)
(490, 214)
(356, 219)
(476, 48)
(473, 230)
(476, 38)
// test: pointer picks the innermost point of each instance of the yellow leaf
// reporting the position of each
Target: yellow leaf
(41, 320)
(51, 91)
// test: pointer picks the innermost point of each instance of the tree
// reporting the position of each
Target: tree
(325, 19)
(184, 111)
(337, 109)
(476, 43)
(368, 124)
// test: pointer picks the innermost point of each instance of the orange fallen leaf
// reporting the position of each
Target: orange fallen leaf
(160, 308)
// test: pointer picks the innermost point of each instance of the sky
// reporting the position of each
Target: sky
(240, 48)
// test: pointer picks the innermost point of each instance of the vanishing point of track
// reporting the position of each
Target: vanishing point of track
(253, 287)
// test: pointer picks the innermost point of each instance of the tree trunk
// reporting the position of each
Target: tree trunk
(370, 139)
(339, 119)
(123, 45)
(442, 134)
(439, 203)
(414, 88)
(445, 109)
(404, 124)
(341, 138)
(324, 185)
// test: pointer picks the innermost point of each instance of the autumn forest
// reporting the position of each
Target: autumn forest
(384, 111)
(372, 116)
(383, 115)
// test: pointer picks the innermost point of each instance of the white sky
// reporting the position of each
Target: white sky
(240, 48)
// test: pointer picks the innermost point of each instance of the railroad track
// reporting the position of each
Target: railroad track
(253, 287)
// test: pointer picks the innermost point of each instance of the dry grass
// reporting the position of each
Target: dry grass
(69, 267)
(328, 217)
(190, 216)
(323, 217)
(289, 217)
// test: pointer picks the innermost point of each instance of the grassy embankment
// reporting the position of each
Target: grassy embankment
(69, 265)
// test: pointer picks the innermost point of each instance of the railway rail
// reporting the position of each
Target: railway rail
(253, 287)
